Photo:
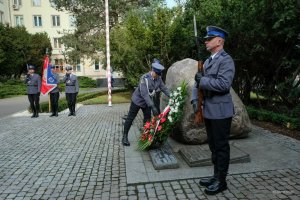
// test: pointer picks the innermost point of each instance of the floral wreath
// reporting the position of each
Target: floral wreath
(158, 129)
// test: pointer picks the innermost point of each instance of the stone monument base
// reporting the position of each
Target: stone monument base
(197, 156)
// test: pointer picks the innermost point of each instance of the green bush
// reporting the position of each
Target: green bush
(86, 82)
(12, 87)
(62, 103)
(269, 116)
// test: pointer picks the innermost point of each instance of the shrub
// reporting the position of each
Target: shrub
(86, 82)
(281, 119)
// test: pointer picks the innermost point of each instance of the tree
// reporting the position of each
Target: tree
(19, 48)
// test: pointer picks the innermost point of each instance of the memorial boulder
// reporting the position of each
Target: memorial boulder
(186, 131)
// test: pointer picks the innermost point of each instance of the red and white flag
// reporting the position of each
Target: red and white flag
(48, 80)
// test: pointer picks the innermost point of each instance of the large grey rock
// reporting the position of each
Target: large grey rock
(186, 131)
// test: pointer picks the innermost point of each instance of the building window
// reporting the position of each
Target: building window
(97, 65)
(55, 20)
(78, 65)
(37, 20)
(52, 3)
(1, 17)
(72, 20)
(18, 2)
(36, 3)
(19, 20)
(57, 43)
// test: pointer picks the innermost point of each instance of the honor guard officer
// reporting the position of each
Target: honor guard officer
(54, 94)
(218, 107)
(33, 82)
(72, 89)
(143, 96)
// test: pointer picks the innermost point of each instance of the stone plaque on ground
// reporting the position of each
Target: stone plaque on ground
(197, 156)
(163, 158)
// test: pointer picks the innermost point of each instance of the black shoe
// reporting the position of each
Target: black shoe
(216, 187)
(36, 114)
(70, 114)
(33, 115)
(52, 115)
(74, 114)
(56, 114)
(207, 181)
(125, 141)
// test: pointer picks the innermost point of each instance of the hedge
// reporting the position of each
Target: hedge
(269, 116)
(62, 103)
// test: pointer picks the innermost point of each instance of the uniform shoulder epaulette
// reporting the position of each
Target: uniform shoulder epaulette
(224, 54)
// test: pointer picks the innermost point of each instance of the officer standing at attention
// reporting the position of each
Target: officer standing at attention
(54, 94)
(33, 82)
(142, 98)
(218, 107)
(72, 89)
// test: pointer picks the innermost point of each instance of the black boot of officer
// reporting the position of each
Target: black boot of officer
(125, 141)
(219, 185)
(33, 112)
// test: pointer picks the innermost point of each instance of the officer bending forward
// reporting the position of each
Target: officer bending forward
(142, 98)
(72, 88)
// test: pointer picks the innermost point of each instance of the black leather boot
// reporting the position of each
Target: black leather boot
(36, 114)
(125, 141)
(207, 181)
(218, 186)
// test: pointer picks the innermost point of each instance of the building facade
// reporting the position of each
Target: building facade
(41, 16)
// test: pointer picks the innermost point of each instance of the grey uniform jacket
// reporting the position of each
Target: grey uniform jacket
(142, 94)
(217, 79)
(72, 85)
(56, 89)
(33, 83)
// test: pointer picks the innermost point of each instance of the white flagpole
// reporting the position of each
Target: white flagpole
(108, 72)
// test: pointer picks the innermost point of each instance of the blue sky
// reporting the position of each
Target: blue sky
(171, 3)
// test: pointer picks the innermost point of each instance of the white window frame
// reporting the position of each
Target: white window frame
(55, 20)
(57, 43)
(72, 21)
(17, 2)
(19, 20)
(36, 3)
(38, 19)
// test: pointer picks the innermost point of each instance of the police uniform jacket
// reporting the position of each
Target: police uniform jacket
(56, 89)
(217, 80)
(148, 86)
(33, 82)
(72, 85)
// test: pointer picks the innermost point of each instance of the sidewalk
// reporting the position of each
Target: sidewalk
(82, 158)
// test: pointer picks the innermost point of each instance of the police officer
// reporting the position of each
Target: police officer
(33, 82)
(72, 89)
(54, 94)
(218, 107)
(142, 98)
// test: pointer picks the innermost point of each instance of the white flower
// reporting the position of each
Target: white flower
(177, 104)
(170, 119)
(175, 94)
(179, 88)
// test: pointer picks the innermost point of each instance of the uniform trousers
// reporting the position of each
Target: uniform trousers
(218, 131)
(71, 98)
(54, 102)
(34, 100)
(133, 111)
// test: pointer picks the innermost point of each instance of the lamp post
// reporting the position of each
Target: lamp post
(108, 72)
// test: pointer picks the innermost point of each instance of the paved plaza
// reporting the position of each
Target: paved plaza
(82, 158)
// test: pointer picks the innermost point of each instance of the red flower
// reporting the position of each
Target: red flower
(150, 138)
(160, 115)
(147, 125)
(163, 120)
(159, 128)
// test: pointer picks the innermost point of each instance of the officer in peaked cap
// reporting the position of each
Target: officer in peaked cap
(54, 94)
(218, 109)
(72, 89)
(142, 98)
(33, 82)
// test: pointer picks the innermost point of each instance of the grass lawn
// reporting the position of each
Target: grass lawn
(121, 97)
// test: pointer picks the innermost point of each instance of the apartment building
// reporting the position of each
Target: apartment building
(41, 16)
